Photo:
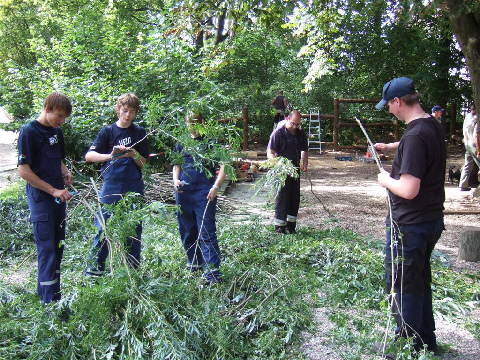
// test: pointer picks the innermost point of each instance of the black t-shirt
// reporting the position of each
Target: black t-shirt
(422, 154)
(288, 145)
(279, 104)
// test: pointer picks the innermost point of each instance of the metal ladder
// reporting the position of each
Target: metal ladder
(315, 132)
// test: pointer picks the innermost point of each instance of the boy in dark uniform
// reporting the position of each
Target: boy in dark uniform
(41, 148)
(196, 197)
(123, 151)
(289, 141)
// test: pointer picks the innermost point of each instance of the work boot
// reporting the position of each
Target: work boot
(291, 227)
(280, 229)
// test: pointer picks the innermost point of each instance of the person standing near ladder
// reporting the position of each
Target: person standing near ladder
(290, 142)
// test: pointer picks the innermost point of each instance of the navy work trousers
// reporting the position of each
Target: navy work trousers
(49, 222)
(100, 249)
(288, 202)
(198, 231)
(409, 259)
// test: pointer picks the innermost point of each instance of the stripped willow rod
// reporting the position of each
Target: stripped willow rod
(370, 143)
(392, 237)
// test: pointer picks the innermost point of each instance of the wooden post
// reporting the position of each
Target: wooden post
(245, 128)
(336, 120)
(469, 245)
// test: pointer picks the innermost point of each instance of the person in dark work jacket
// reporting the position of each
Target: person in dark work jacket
(122, 150)
(41, 150)
(289, 141)
(196, 198)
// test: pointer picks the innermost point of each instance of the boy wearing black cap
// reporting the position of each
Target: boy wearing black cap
(416, 190)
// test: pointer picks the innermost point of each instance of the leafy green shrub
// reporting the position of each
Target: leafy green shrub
(17, 233)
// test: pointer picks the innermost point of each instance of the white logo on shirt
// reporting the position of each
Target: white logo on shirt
(126, 141)
(53, 140)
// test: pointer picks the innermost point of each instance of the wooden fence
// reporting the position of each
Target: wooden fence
(339, 123)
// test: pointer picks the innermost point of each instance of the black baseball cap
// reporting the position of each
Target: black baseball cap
(396, 88)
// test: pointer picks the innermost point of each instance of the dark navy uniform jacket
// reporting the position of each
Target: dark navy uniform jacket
(120, 175)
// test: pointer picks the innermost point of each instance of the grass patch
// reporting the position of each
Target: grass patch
(160, 311)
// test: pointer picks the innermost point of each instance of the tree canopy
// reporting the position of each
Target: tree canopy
(219, 56)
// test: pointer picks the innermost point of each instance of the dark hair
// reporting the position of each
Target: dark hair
(130, 100)
(57, 100)
(411, 99)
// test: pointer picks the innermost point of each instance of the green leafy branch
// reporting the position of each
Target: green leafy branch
(278, 170)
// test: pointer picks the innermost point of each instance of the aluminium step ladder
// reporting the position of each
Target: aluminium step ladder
(315, 131)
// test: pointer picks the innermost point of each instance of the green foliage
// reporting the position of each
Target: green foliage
(162, 311)
(14, 214)
(278, 171)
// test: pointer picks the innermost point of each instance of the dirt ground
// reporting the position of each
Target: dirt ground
(348, 193)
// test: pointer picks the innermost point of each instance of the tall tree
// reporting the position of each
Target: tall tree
(464, 17)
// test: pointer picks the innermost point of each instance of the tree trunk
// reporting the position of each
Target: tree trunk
(469, 246)
(465, 21)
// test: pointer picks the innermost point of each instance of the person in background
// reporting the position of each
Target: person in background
(121, 149)
(417, 194)
(196, 198)
(469, 175)
(437, 112)
(290, 142)
(41, 149)
(280, 104)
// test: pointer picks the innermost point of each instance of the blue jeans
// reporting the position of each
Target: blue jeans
(198, 231)
(409, 259)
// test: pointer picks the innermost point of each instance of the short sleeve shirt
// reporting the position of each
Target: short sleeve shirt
(288, 145)
(190, 173)
(42, 148)
(422, 154)
(123, 169)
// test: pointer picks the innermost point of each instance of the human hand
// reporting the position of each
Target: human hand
(61, 195)
(177, 184)
(381, 147)
(212, 194)
(121, 151)
(68, 178)
(383, 177)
